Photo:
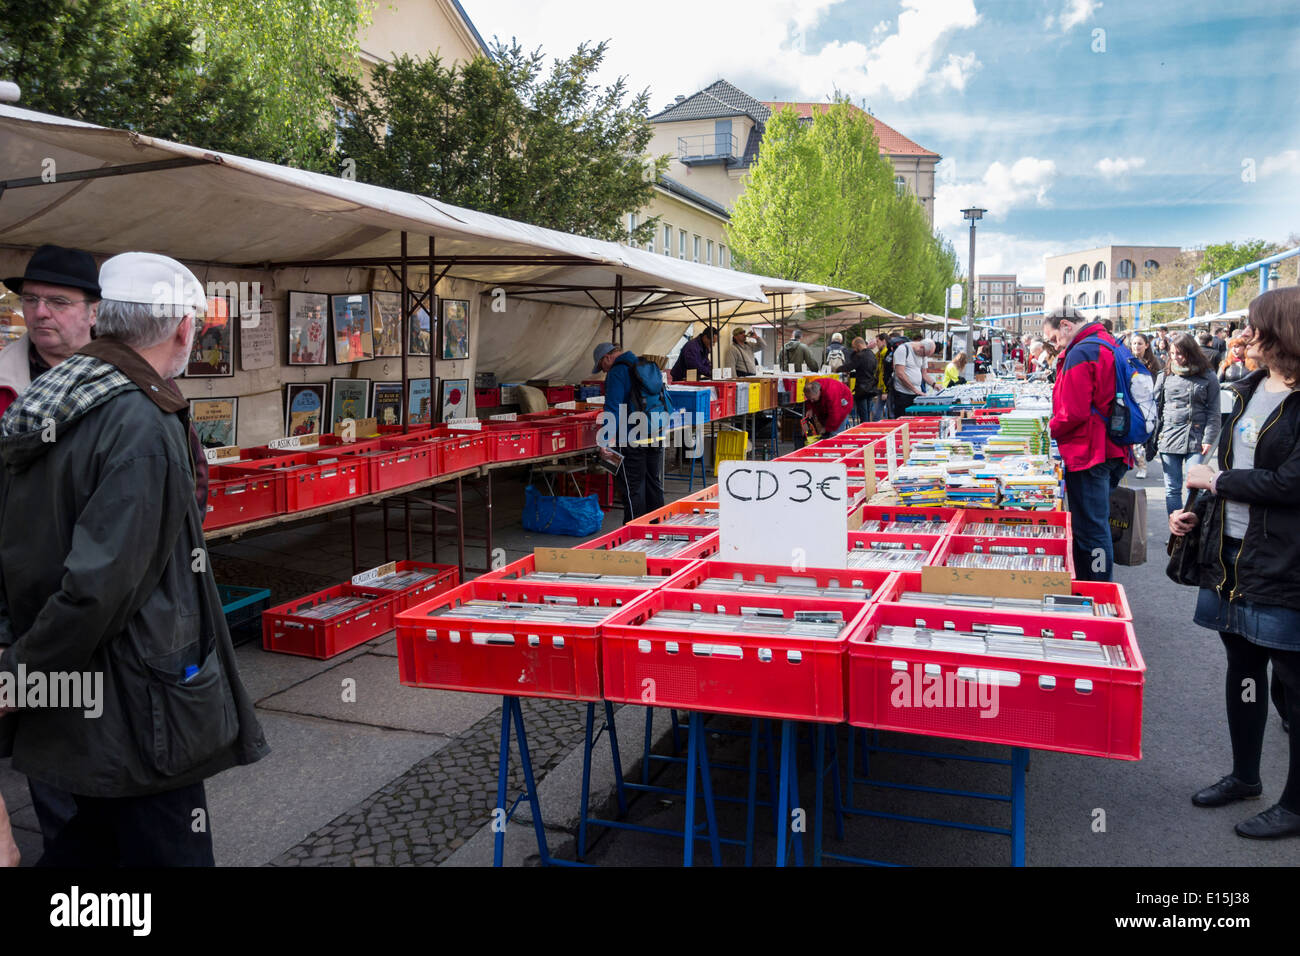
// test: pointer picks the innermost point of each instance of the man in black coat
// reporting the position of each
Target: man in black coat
(862, 365)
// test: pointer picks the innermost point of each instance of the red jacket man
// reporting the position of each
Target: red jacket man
(1082, 396)
(829, 401)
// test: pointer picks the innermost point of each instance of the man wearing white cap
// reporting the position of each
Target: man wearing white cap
(103, 574)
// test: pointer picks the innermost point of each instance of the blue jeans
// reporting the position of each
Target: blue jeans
(1173, 466)
(1088, 493)
(862, 408)
(878, 408)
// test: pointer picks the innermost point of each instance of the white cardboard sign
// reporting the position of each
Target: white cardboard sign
(791, 514)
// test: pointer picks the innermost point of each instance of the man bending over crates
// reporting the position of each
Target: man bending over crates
(106, 591)
(632, 424)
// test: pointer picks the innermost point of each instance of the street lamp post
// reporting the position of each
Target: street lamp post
(974, 214)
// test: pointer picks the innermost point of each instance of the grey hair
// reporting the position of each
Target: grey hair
(140, 325)
(813, 386)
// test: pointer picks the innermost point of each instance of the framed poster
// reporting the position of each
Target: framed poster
(386, 313)
(349, 398)
(213, 352)
(455, 398)
(421, 337)
(304, 406)
(455, 328)
(215, 420)
(353, 340)
(308, 313)
(256, 336)
(419, 401)
(386, 403)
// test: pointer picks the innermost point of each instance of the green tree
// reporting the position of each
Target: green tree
(1225, 256)
(821, 206)
(500, 136)
(96, 61)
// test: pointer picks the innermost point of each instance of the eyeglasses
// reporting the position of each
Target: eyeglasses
(57, 303)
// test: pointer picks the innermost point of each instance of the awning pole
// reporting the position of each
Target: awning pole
(431, 300)
(406, 318)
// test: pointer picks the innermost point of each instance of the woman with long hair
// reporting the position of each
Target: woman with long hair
(1248, 554)
(1187, 397)
(1236, 365)
(1140, 346)
(952, 374)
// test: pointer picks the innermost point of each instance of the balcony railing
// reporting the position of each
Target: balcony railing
(707, 147)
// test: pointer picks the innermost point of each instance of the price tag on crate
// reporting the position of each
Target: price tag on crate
(350, 428)
(889, 452)
(570, 406)
(591, 561)
(226, 455)
(294, 441)
(790, 514)
(374, 574)
(504, 417)
(465, 424)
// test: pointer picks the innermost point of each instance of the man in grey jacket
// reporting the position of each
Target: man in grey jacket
(105, 585)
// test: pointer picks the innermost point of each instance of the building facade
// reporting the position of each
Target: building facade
(1104, 276)
(997, 294)
(418, 29)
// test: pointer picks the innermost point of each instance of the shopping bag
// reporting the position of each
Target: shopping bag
(1184, 552)
(550, 514)
(1128, 525)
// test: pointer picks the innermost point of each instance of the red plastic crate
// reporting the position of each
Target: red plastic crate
(726, 398)
(388, 468)
(677, 513)
(557, 393)
(447, 576)
(965, 544)
(507, 441)
(704, 494)
(390, 431)
(285, 631)
(796, 678)
(1014, 516)
(460, 449)
(696, 572)
(1047, 705)
(311, 479)
(663, 568)
(558, 437)
(703, 541)
(520, 658)
(600, 484)
(1103, 592)
(906, 513)
(487, 397)
(588, 427)
(237, 497)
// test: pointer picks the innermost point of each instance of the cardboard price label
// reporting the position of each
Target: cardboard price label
(788, 514)
(504, 417)
(360, 426)
(294, 441)
(226, 455)
(465, 424)
(590, 561)
(374, 574)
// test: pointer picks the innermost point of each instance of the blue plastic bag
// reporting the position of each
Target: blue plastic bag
(580, 517)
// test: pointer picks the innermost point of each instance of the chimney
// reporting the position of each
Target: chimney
(680, 98)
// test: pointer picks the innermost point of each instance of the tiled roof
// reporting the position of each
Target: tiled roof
(892, 142)
(718, 100)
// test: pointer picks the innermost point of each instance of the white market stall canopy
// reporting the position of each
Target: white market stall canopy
(109, 191)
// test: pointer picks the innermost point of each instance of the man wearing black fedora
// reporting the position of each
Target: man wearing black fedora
(59, 294)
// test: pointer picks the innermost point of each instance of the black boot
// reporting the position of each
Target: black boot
(1276, 821)
(1226, 791)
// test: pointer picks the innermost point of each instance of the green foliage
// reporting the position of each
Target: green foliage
(499, 136)
(252, 79)
(1226, 256)
(821, 206)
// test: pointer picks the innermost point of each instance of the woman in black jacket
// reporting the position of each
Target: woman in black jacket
(1187, 397)
(1249, 555)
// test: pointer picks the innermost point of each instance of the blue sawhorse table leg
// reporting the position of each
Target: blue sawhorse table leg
(512, 712)
(589, 744)
(788, 800)
(697, 761)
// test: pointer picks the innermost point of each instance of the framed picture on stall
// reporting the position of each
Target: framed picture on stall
(349, 398)
(455, 398)
(304, 406)
(386, 403)
(386, 314)
(419, 401)
(353, 338)
(454, 326)
(421, 337)
(215, 421)
(213, 352)
(308, 321)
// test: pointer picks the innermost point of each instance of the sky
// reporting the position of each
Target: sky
(1075, 123)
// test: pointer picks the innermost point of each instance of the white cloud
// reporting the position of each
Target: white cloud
(1287, 161)
(764, 51)
(1110, 168)
(1001, 189)
(1075, 13)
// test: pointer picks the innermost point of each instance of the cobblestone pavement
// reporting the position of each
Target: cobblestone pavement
(426, 814)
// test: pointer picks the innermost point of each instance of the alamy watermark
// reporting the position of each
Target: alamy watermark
(917, 688)
(21, 689)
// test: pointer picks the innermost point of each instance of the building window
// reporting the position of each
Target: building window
(1083, 272)
(1065, 303)
(681, 243)
(1151, 265)
(1120, 294)
(722, 255)
(900, 185)
(1099, 271)
(668, 240)
(709, 260)
(1069, 276)
(1126, 269)
(695, 247)
(631, 225)
(1099, 298)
